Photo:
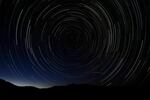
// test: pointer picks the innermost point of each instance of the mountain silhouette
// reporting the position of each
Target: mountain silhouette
(7, 88)
(5, 84)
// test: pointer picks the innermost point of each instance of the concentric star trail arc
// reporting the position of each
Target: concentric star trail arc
(102, 42)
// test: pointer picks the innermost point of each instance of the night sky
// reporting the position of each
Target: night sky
(57, 42)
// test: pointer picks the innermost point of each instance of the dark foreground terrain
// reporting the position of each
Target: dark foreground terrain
(7, 88)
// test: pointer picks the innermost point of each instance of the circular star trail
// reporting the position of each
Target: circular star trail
(75, 41)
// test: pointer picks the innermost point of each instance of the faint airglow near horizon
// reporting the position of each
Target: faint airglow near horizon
(28, 84)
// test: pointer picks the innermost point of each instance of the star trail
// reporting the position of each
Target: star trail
(57, 42)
